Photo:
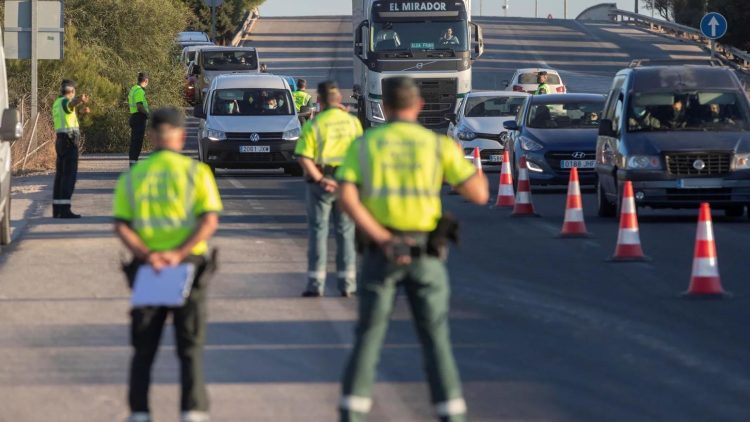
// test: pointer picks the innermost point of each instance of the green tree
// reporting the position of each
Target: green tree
(228, 16)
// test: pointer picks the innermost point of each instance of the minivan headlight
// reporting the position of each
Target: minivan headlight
(377, 111)
(291, 134)
(529, 145)
(644, 162)
(742, 161)
(215, 135)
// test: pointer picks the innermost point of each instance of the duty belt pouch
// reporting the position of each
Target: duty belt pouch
(448, 228)
(130, 269)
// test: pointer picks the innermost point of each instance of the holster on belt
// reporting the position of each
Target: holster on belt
(448, 229)
(205, 268)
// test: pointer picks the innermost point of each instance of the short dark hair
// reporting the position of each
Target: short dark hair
(66, 85)
(167, 116)
(142, 76)
(325, 89)
(400, 93)
(301, 83)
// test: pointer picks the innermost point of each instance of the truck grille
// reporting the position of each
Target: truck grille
(440, 97)
(245, 136)
(684, 164)
(554, 159)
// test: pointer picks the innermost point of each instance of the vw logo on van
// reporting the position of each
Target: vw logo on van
(254, 137)
(699, 165)
(579, 155)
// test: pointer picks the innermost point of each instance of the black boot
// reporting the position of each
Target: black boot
(55, 211)
(65, 212)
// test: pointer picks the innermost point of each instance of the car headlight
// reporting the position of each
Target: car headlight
(215, 135)
(465, 134)
(742, 161)
(644, 162)
(377, 111)
(291, 134)
(534, 167)
(529, 145)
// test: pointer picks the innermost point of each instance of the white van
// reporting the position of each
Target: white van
(249, 121)
(10, 130)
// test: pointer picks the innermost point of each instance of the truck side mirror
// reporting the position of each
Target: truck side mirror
(356, 92)
(606, 128)
(198, 111)
(451, 117)
(361, 35)
(477, 41)
(12, 128)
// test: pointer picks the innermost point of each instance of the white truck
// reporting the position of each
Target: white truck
(433, 42)
(10, 130)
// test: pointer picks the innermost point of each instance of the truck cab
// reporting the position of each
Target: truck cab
(433, 42)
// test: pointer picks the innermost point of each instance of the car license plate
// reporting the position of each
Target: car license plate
(581, 164)
(255, 148)
(496, 158)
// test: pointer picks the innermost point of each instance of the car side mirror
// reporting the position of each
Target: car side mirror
(506, 83)
(198, 111)
(510, 125)
(606, 128)
(263, 68)
(12, 128)
(196, 70)
(451, 117)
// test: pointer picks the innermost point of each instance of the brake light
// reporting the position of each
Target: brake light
(561, 89)
(517, 88)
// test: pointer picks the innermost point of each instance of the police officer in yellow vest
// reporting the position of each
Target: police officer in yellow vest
(301, 98)
(68, 135)
(390, 185)
(166, 208)
(321, 148)
(543, 88)
(139, 110)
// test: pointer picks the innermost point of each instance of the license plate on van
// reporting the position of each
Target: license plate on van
(255, 148)
(581, 164)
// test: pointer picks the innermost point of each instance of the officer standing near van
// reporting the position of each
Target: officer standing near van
(166, 208)
(321, 149)
(138, 106)
(68, 135)
(543, 88)
(391, 181)
(301, 98)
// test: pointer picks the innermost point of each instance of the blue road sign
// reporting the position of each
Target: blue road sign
(714, 25)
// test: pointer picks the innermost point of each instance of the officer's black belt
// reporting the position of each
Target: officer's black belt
(328, 171)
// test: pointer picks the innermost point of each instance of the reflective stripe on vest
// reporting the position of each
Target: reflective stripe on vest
(63, 122)
(165, 222)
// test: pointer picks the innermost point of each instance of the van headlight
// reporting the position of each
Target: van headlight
(644, 162)
(741, 161)
(377, 111)
(291, 134)
(529, 145)
(215, 135)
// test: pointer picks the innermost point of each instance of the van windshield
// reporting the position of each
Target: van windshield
(252, 102)
(581, 115)
(686, 111)
(230, 60)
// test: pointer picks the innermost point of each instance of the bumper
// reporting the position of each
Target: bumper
(656, 190)
(542, 173)
(226, 154)
(490, 151)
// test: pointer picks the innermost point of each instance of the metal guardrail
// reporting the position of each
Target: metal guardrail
(726, 53)
(246, 27)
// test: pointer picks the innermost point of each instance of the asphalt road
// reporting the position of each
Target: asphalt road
(544, 329)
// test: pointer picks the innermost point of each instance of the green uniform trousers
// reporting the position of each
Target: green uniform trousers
(426, 284)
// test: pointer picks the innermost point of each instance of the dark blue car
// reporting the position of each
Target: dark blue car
(556, 133)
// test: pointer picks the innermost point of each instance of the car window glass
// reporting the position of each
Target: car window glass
(582, 115)
(531, 78)
(617, 117)
(678, 111)
(230, 60)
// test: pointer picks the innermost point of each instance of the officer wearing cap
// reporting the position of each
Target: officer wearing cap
(321, 149)
(390, 184)
(166, 208)
(139, 110)
(543, 88)
(68, 135)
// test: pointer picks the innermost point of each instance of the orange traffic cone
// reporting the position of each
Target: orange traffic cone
(704, 281)
(523, 205)
(505, 195)
(628, 239)
(477, 160)
(573, 225)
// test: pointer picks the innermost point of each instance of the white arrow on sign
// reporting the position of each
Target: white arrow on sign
(713, 23)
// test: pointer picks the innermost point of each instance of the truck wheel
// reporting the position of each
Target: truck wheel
(5, 225)
(734, 211)
(605, 208)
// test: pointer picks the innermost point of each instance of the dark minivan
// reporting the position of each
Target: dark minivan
(680, 134)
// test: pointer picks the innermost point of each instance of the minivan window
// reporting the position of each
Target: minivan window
(492, 106)
(580, 115)
(230, 60)
(530, 78)
(698, 110)
(252, 102)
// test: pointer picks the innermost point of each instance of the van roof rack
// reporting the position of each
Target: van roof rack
(675, 62)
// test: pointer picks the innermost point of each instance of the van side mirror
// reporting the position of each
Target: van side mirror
(12, 128)
(606, 128)
(451, 117)
(510, 125)
(196, 70)
(198, 111)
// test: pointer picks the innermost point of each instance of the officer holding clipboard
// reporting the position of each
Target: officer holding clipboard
(166, 208)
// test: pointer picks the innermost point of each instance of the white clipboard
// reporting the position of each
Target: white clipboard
(169, 287)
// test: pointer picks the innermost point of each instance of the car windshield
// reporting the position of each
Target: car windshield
(407, 36)
(579, 115)
(701, 110)
(492, 106)
(230, 60)
(531, 78)
(252, 102)
(192, 36)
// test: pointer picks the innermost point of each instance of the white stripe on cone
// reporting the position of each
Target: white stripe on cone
(506, 190)
(705, 231)
(573, 215)
(574, 189)
(523, 197)
(705, 267)
(628, 206)
(628, 237)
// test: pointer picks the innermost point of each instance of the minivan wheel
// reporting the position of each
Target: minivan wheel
(605, 208)
(5, 225)
(734, 211)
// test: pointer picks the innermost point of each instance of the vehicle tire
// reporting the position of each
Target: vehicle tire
(605, 208)
(734, 211)
(5, 225)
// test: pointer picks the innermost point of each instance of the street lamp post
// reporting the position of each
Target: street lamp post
(565, 9)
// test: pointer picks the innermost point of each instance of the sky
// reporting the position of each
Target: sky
(488, 7)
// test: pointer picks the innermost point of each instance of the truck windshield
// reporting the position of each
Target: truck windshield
(700, 111)
(406, 36)
(230, 60)
(252, 102)
(583, 115)
(492, 106)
